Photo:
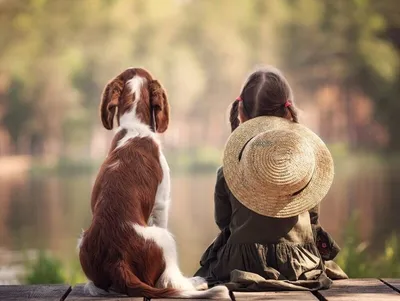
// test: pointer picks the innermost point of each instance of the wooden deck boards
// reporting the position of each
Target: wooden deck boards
(34, 292)
(393, 283)
(77, 294)
(342, 290)
(301, 296)
(359, 290)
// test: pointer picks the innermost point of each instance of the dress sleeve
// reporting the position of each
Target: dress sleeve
(326, 245)
(314, 215)
(222, 205)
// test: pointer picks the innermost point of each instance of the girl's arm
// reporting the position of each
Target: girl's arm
(314, 215)
(222, 204)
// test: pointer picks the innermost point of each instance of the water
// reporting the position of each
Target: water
(48, 212)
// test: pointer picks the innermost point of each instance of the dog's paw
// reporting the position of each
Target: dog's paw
(175, 280)
(184, 284)
(199, 283)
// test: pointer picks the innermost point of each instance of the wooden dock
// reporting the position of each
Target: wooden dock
(352, 289)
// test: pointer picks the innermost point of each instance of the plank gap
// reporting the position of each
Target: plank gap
(63, 297)
(232, 296)
(389, 285)
(318, 295)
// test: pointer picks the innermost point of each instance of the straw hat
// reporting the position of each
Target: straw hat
(276, 167)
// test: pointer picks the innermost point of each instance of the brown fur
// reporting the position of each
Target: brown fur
(112, 254)
(153, 98)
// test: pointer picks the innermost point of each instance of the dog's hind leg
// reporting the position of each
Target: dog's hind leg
(172, 276)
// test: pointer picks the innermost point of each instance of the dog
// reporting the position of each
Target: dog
(127, 249)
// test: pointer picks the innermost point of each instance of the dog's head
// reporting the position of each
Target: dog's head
(135, 95)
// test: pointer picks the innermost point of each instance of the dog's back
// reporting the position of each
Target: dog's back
(123, 194)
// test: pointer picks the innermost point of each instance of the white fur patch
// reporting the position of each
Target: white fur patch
(162, 237)
(80, 240)
(129, 121)
(93, 290)
(135, 84)
(160, 211)
(172, 276)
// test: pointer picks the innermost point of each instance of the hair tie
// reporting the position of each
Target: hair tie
(288, 103)
(239, 98)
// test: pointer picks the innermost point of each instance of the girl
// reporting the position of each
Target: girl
(256, 248)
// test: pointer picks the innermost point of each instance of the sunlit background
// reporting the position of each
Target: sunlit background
(341, 57)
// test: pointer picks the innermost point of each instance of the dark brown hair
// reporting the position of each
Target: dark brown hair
(265, 93)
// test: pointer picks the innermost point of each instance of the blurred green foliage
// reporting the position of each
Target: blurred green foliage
(65, 167)
(197, 160)
(45, 269)
(56, 56)
(358, 262)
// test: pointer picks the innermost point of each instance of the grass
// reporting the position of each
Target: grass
(357, 260)
(47, 269)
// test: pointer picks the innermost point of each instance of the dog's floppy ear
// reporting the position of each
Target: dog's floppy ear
(159, 103)
(111, 97)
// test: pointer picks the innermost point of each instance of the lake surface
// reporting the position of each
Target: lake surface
(48, 212)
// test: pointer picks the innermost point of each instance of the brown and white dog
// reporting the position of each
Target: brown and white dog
(127, 248)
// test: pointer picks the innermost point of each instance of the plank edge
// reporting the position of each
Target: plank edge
(389, 285)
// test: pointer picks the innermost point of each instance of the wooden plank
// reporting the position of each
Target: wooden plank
(359, 289)
(292, 295)
(33, 292)
(194, 299)
(174, 299)
(78, 294)
(394, 283)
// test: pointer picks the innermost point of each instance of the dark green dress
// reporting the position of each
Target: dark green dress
(255, 252)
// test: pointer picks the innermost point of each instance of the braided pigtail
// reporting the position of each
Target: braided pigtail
(234, 115)
(293, 112)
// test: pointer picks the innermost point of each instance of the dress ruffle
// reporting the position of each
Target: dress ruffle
(300, 266)
(282, 261)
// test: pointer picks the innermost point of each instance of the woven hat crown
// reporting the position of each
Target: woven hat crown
(278, 161)
(277, 167)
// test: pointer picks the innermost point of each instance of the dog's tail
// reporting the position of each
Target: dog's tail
(219, 292)
(134, 287)
(131, 285)
(137, 288)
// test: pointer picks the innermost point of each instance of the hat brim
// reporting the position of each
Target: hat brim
(270, 205)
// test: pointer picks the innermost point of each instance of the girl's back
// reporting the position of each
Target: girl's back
(265, 231)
